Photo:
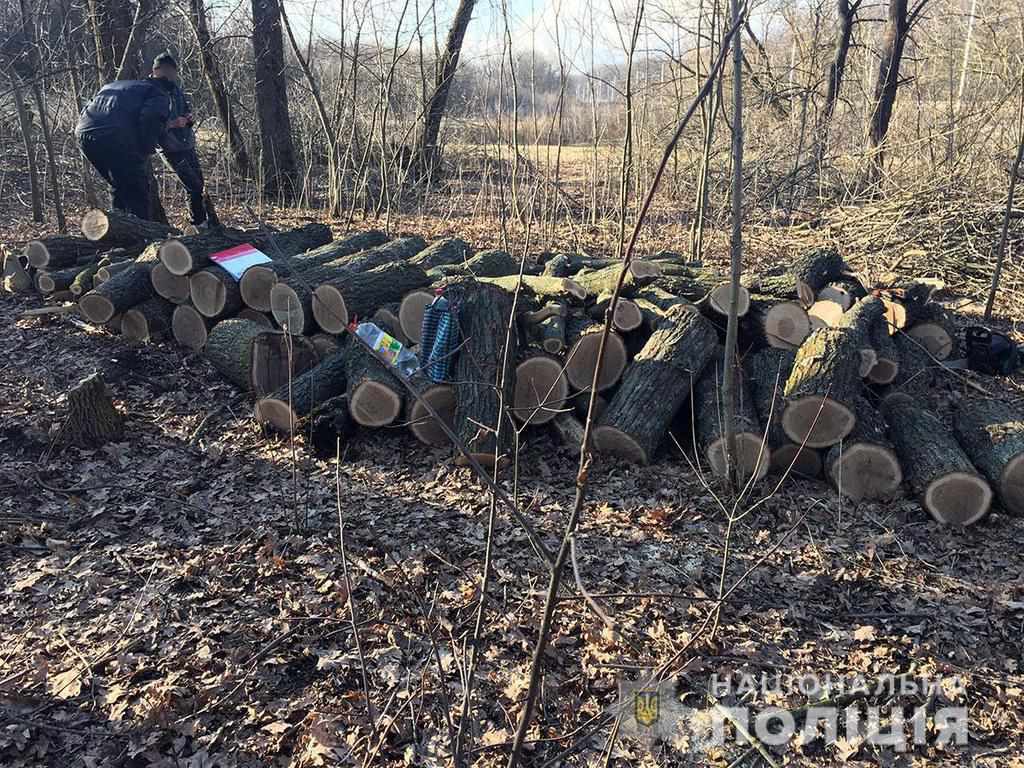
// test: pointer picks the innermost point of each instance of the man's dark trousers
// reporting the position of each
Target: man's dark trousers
(186, 165)
(123, 167)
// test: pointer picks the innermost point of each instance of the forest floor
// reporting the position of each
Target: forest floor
(179, 598)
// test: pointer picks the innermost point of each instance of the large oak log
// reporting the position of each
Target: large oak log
(708, 289)
(451, 250)
(278, 357)
(258, 280)
(753, 455)
(118, 229)
(284, 409)
(185, 255)
(130, 286)
(484, 312)
(147, 321)
(490, 263)
(803, 279)
(214, 292)
(767, 371)
(541, 389)
(190, 328)
(935, 465)
(864, 465)
(583, 337)
(61, 251)
(603, 280)
(826, 379)
(374, 392)
(917, 372)
(543, 289)
(291, 300)
(359, 294)
(992, 433)
(229, 349)
(773, 323)
(656, 385)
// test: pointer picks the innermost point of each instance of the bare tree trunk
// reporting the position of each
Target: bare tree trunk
(896, 31)
(280, 172)
(25, 121)
(736, 250)
(1004, 232)
(215, 83)
(426, 146)
(75, 53)
(847, 13)
(111, 25)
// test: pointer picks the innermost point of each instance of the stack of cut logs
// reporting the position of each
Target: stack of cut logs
(834, 378)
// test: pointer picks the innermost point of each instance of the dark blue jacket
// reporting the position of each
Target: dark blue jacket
(177, 140)
(133, 112)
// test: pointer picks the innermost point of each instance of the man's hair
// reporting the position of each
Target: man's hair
(165, 59)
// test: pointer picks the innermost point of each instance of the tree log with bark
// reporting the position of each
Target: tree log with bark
(355, 295)
(117, 229)
(992, 434)
(656, 386)
(803, 279)
(374, 392)
(541, 389)
(147, 321)
(935, 465)
(864, 465)
(214, 293)
(286, 407)
(229, 350)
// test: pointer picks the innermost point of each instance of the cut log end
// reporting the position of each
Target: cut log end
(826, 313)
(189, 328)
(817, 422)
(286, 308)
(208, 293)
(884, 371)
(959, 498)
(718, 300)
(934, 338)
(95, 308)
(581, 362)
(329, 309)
(753, 458)
(95, 225)
(574, 289)
(37, 254)
(541, 390)
(410, 313)
(805, 293)
(176, 257)
(255, 286)
(628, 316)
(373, 404)
(786, 325)
(45, 283)
(425, 427)
(276, 413)
(867, 471)
(1011, 485)
(644, 269)
(135, 326)
(615, 442)
(174, 288)
(791, 458)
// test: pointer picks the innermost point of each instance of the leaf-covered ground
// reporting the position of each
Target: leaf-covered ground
(180, 599)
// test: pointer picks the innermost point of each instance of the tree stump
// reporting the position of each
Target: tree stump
(92, 420)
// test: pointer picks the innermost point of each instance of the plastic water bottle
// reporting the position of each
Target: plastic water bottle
(389, 349)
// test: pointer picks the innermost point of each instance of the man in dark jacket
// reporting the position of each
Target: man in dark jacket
(117, 131)
(178, 145)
